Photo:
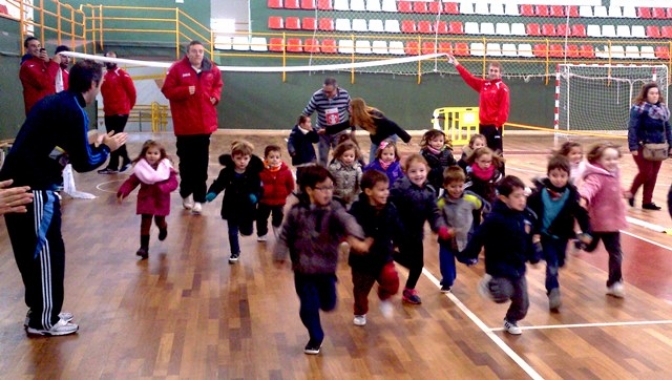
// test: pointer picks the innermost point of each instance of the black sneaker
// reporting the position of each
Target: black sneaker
(651, 206)
(631, 201)
(312, 348)
(125, 167)
(234, 257)
(445, 289)
(143, 252)
(163, 234)
(107, 171)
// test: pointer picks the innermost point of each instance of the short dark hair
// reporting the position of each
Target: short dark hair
(509, 184)
(558, 161)
(302, 119)
(312, 175)
(83, 74)
(371, 177)
(27, 40)
(329, 81)
(271, 148)
(192, 43)
(61, 48)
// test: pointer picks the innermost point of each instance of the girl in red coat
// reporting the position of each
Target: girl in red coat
(154, 173)
(278, 183)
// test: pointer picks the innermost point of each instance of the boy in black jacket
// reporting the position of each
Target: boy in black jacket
(379, 220)
(300, 144)
(556, 203)
(507, 235)
(240, 179)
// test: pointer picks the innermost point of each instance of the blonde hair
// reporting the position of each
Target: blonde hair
(415, 157)
(243, 147)
(344, 147)
(361, 115)
(497, 160)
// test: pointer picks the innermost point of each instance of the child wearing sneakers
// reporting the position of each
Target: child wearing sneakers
(556, 204)
(310, 237)
(277, 183)
(415, 200)
(457, 208)
(154, 173)
(240, 179)
(507, 234)
(380, 221)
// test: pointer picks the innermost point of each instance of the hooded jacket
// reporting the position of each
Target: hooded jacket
(416, 205)
(604, 194)
(238, 187)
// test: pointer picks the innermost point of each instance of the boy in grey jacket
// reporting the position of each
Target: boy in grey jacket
(310, 236)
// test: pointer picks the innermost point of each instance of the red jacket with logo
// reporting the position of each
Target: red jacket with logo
(277, 185)
(493, 101)
(118, 93)
(38, 79)
(193, 114)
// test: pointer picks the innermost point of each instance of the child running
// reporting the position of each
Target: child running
(602, 194)
(380, 221)
(300, 144)
(507, 235)
(387, 161)
(154, 173)
(347, 172)
(277, 183)
(475, 141)
(556, 204)
(574, 153)
(483, 173)
(310, 237)
(439, 155)
(240, 179)
(415, 200)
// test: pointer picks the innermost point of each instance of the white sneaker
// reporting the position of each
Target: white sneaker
(61, 328)
(63, 315)
(188, 203)
(616, 290)
(512, 328)
(261, 238)
(360, 320)
(197, 209)
(386, 309)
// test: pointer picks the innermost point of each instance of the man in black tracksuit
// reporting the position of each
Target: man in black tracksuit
(54, 134)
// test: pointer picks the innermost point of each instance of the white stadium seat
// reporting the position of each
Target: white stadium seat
(258, 44)
(593, 31)
(392, 26)
(389, 5)
(363, 47)
(487, 28)
(341, 5)
(397, 48)
(512, 10)
(482, 9)
(638, 31)
(493, 50)
(477, 49)
(467, 8)
(376, 26)
(525, 50)
(617, 51)
(629, 11)
(518, 29)
(497, 9)
(357, 5)
(359, 25)
(223, 43)
(346, 46)
(471, 28)
(379, 47)
(241, 43)
(615, 11)
(343, 24)
(373, 5)
(608, 31)
(503, 28)
(647, 52)
(623, 31)
(586, 11)
(509, 50)
(632, 52)
(600, 11)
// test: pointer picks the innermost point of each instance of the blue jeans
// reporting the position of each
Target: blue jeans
(554, 254)
(234, 228)
(315, 291)
(447, 265)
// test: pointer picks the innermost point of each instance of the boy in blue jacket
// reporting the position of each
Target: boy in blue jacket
(507, 234)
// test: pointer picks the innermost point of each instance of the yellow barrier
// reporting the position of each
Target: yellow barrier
(458, 123)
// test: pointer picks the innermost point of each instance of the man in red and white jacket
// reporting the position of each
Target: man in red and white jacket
(193, 86)
(493, 102)
(119, 97)
(37, 73)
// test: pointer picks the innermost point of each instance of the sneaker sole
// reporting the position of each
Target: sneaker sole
(311, 352)
(32, 331)
(411, 302)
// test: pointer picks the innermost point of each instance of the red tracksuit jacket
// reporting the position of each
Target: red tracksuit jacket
(118, 93)
(493, 100)
(38, 79)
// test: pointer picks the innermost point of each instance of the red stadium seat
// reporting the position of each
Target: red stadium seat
(293, 23)
(666, 31)
(662, 52)
(578, 30)
(408, 26)
(557, 11)
(574, 11)
(307, 4)
(294, 45)
(405, 7)
(669, 12)
(434, 7)
(292, 4)
(425, 27)
(428, 48)
(276, 44)
(412, 48)
(420, 7)
(324, 5)
(644, 12)
(533, 30)
(572, 51)
(461, 49)
(275, 3)
(542, 10)
(309, 23)
(325, 24)
(329, 46)
(526, 10)
(587, 51)
(445, 48)
(275, 22)
(451, 8)
(548, 30)
(442, 27)
(659, 13)
(455, 27)
(561, 30)
(539, 50)
(311, 45)
(653, 31)
(555, 51)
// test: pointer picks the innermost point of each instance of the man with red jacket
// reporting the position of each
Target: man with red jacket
(37, 73)
(493, 102)
(119, 97)
(193, 86)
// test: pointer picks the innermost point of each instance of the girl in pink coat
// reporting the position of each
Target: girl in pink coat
(602, 195)
(154, 173)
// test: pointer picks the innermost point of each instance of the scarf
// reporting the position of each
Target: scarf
(433, 151)
(148, 175)
(272, 169)
(482, 174)
(655, 111)
(384, 165)
(555, 192)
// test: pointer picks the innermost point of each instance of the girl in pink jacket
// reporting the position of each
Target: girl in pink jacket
(602, 195)
(154, 173)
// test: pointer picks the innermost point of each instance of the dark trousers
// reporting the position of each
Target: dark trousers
(554, 254)
(493, 139)
(447, 265)
(40, 255)
(325, 143)
(647, 174)
(514, 289)
(411, 256)
(117, 123)
(612, 243)
(263, 212)
(146, 223)
(194, 154)
(316, 292)
(236, 227)
(388, 285)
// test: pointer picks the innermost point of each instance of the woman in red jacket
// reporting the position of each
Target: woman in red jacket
(277, 182)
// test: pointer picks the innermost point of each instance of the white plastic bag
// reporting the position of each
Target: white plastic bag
(69, 185)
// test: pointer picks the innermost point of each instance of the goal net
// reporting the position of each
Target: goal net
(599, 97)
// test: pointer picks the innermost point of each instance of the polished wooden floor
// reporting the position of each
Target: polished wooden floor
(187, 313)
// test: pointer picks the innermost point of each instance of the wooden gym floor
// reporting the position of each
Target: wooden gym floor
(187, 313)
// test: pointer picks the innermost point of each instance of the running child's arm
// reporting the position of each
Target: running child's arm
(591, 185)
(354, 232)
(131, 183)
(218, 186)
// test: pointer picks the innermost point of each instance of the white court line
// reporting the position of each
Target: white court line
(98, 186)
(647, 240)
(596, 324)
(490, 334)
